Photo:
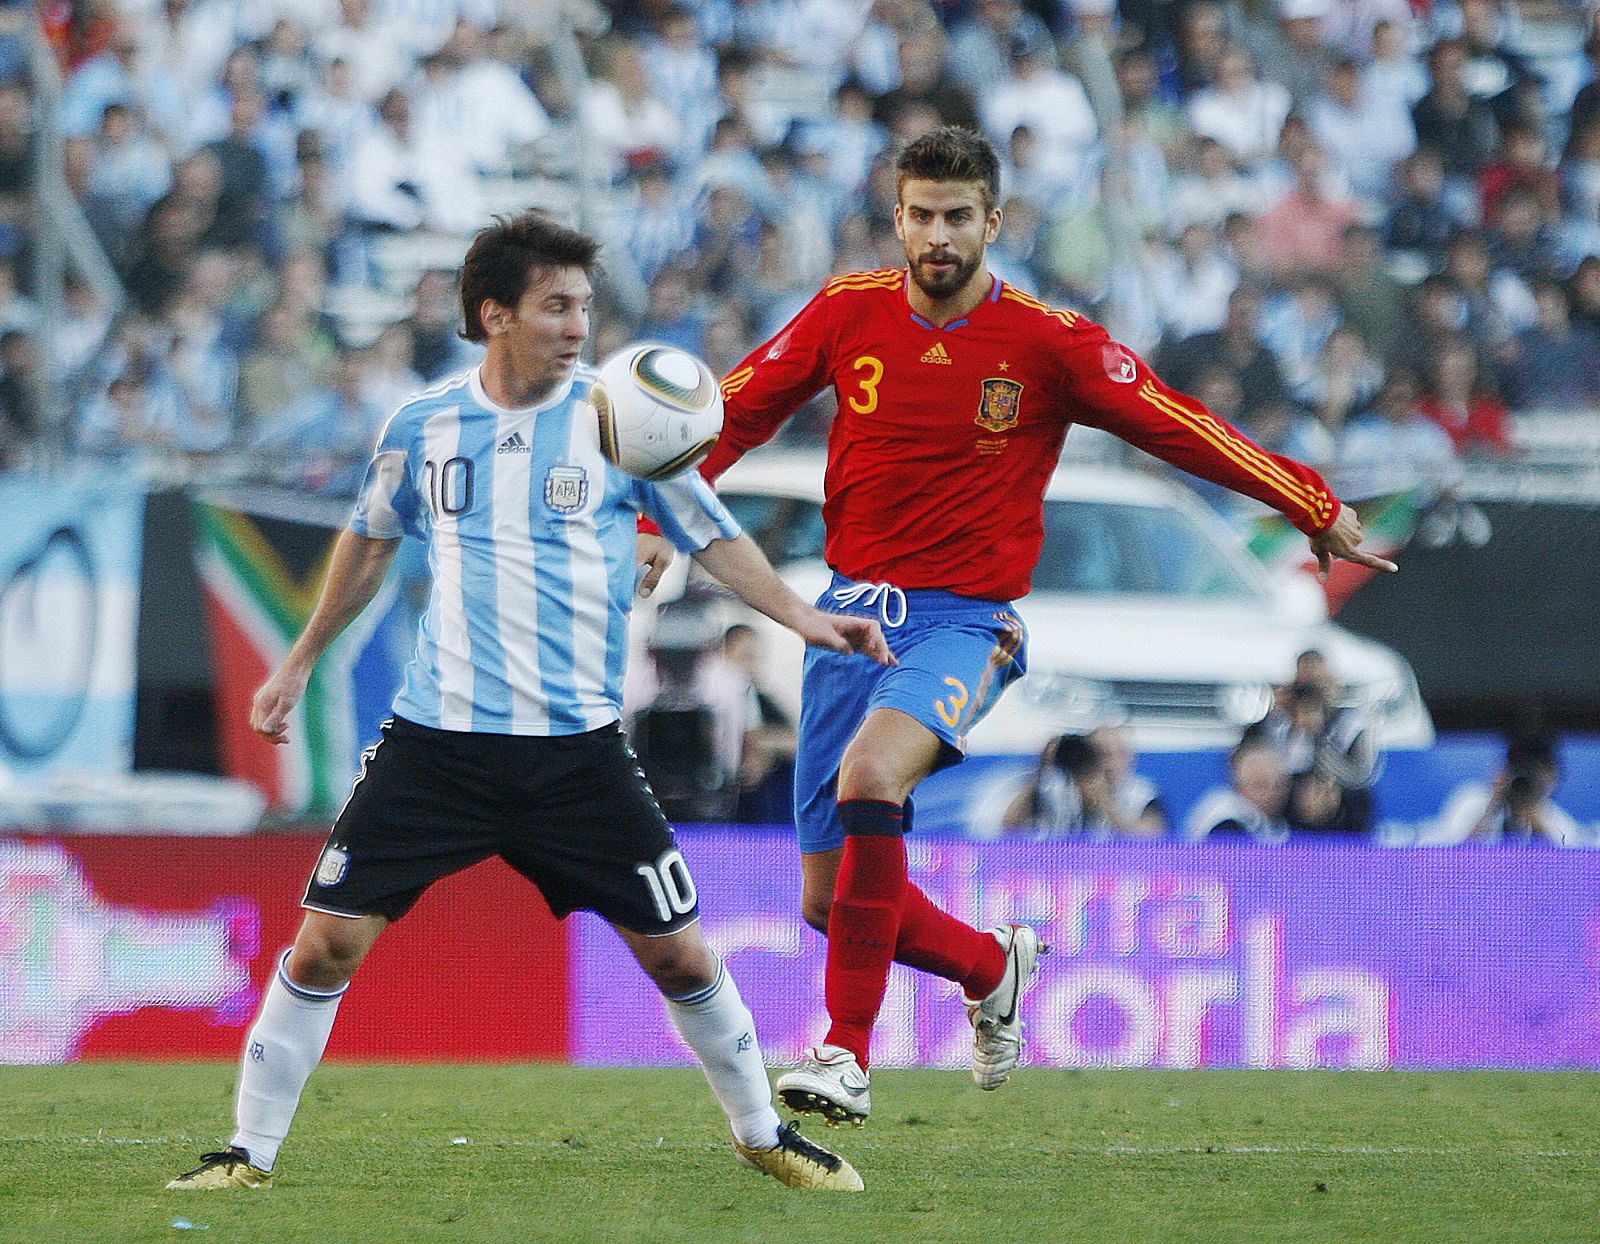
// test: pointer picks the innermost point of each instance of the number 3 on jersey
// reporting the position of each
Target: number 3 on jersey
(868, 400)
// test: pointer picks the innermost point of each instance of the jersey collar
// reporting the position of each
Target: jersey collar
(557, 396)
(992, 296)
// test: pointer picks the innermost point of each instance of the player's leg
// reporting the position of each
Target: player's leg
(385, 848)
(284, 1046)
(712, 1019)
(596, 839)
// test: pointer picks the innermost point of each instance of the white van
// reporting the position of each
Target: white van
(1146, 609)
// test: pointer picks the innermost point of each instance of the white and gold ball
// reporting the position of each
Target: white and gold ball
(658, 409)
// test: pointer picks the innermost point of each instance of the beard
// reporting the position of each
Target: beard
(950, 280)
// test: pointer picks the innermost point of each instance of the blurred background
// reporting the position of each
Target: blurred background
(1365, 231)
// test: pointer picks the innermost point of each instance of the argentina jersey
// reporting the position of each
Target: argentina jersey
(530, 536)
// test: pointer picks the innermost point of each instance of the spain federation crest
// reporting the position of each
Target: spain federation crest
(1000, 404)
(566, 488)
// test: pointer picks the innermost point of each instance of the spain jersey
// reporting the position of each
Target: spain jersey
(946, 437)
(530, 536)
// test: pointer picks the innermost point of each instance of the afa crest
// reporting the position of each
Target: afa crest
(1000, 404)
(566, 488)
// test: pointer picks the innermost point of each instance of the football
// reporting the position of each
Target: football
(658, 408)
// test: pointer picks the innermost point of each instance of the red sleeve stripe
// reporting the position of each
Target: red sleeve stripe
(1243, 455)
(737, 380)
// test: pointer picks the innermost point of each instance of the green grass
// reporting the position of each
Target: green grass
(562, 1154)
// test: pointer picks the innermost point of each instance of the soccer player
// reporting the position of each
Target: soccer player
(505, 737)
(955, 394)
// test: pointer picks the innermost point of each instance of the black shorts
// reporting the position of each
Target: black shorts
(571, 813)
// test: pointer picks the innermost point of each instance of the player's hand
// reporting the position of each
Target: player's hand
(1343, 541)
(844, 634)
(269, 711)
(653, 554)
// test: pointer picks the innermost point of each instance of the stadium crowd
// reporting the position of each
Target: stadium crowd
(1365, 230)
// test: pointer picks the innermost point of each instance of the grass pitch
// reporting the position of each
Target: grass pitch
(533, 1153)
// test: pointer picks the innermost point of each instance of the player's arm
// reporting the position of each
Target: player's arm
(696, 522)
(355, 572)
(1117, 391)
(742, 567)
(773, 381)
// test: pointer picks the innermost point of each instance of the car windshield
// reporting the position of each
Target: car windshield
(1089, 547)
(1100, 547)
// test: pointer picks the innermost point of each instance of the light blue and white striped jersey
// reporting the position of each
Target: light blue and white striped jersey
(530, 535)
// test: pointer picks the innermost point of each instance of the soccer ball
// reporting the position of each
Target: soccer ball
(658, 408)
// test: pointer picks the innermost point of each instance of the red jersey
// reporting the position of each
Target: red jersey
(945, 438)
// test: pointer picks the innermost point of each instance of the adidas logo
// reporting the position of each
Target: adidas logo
(513, 444)
(938, 355)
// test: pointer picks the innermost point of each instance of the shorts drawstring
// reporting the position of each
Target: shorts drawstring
(888, 598)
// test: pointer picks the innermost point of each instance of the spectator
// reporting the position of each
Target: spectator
(328, 432)
(1068, 796)
(683, 72)
(1135, 808)
(130, 170)
(1521, 164)
(1049, 101)
(282, 367)
(674, 316)
(926, 83)
(1450, 120)
(1365, 133)
(1156, 118)
(980, 48)
(1296, 324)
(1371, 301)
(1202, 45)
(1295, 47)
(1193, 283)
(1458, 396)
(1302, 232)
(438, 347)
(1523, 244)
(243, 196)
(1320, 741)
(1342, 384)
(766, 767)
(1396, 448)
(402, 179)
(1252, 805)
(1497, 302)
(1517, 806)
(1420, 223)
(378, 62)
(1552, 364)
(848, 141)
(1583, 288)
(1211, 190)
(1393, 72)
(689, 736)
(1237, 347)
(1240, 111)
(19, 413)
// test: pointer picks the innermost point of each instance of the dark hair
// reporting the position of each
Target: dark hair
(951, 153)
(505, 257)
(1531, 753)
(1075, 754)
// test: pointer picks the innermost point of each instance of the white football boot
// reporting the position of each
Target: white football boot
(997, 1019)
(828, 1082)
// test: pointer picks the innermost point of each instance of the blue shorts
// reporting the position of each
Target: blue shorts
(956, 655)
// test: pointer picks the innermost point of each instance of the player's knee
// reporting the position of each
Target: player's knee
(325, 960)
(680, 968)
(867, 773)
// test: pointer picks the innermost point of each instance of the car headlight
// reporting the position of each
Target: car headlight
(1244, 703)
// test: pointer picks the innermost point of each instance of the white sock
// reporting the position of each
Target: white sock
(280, 1054)
(715, 1023)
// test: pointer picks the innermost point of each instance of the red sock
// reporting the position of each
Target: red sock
(934, 941)
(864, 921)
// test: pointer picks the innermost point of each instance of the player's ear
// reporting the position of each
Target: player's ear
(494, 316)
(899, 223)
(992, 229)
